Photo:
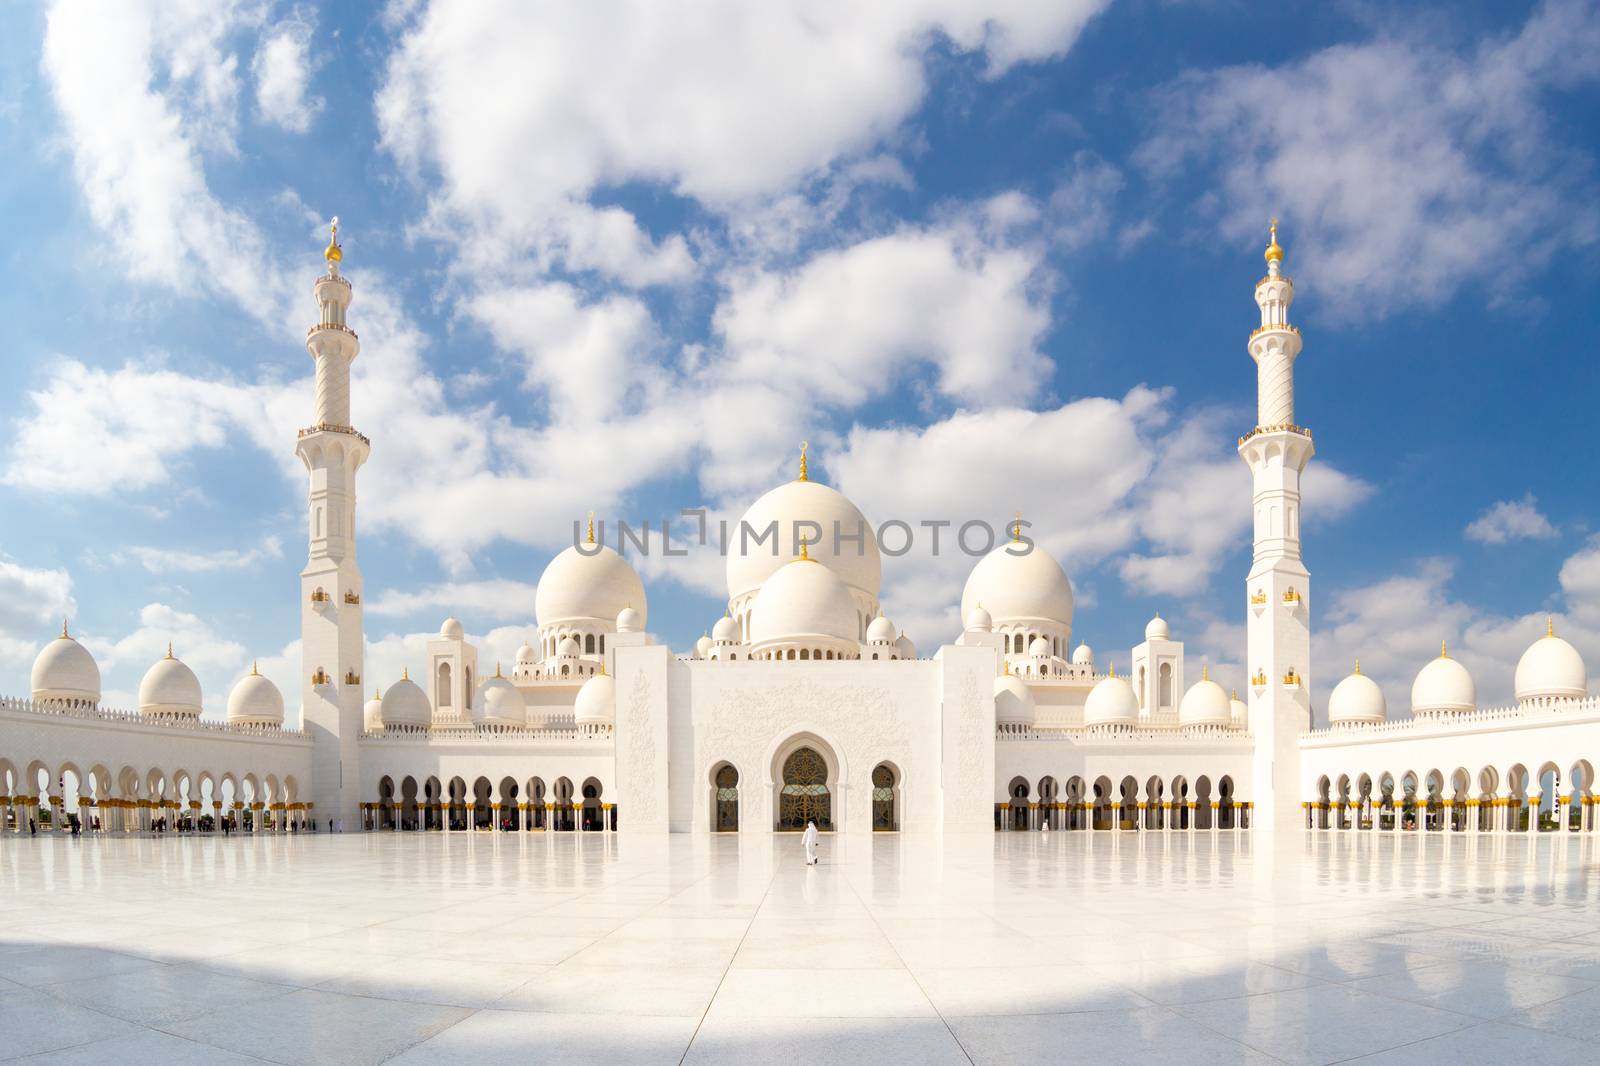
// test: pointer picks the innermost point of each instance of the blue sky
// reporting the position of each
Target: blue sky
(983, 256)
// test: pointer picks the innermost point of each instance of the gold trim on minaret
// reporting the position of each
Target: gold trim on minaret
(333, 253)
(1274, 252)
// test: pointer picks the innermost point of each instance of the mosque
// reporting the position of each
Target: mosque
(803, 701)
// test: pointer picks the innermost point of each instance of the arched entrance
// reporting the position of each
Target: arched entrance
(804, 795)
(885, 812)
(725, 800)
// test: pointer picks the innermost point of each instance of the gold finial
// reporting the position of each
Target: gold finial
(64, 634)
(591, 527)
(602, 666)
(377, 693)
(1444, 649)
(1235, 695)
(1205, 671)
(1549, 626)
(169, 650)
(253, 671)
(805, 474)
(405, 673)
(1016, 528)
(497, 668)
(1358, 668)
(803, 553)
(333, 253)
(1005, 667)
(1274, 253)
(1113, 669)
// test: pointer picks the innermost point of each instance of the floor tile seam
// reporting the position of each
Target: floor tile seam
(937, 1013)
(1409, 1043)
(165, 1031)
(701, 1021)
(1214, 1031)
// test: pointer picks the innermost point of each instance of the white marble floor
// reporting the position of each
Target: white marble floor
(1063, 947)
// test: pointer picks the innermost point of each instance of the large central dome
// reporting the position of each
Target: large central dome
(856, 562)
(595, 587)
(1020, 586)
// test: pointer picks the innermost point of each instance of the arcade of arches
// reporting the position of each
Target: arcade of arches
(1515, 800)
(72, 799)
(507, 805)
(1123, 803)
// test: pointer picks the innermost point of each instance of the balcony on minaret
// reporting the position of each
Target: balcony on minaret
(320, 677)
(352, 678)
(1260, 680)
(1291, 679)
(1292, 599)
(352, 598)
(320, 596)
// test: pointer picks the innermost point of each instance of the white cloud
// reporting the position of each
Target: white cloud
(137, 151)
(498, 599)
(282, 68)
(183, 561)
(600, 96)
(216, 660)
(33, 603)
(1510, 520)
(1403, 171)
(859, 319)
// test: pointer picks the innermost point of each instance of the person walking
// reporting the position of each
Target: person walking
(809, 839)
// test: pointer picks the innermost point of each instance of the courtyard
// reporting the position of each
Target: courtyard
(587, 948)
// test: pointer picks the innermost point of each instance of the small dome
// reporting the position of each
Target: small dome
(702, 647)
(1013, 702)
(1551, 668)
(170, 688)
(568, 648)
(1205, 704)
(880, 631)
(905, 647)
(1443, 687)
(1039, 648)
(452, 629)
(372, 714)
(726, 631)
(1238, 710)
(597, 701)
(1083, 655)
(588, 588)
(255, 701)
(1157, 629)
(1357, 699)
(65, 670)
(526, 655)
(629, 620)
(1019, 587)
(1111, 702)
(803, 601)
(406, 705)
(499, 702)
(978, 620)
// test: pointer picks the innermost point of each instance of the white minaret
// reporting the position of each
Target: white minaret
(1278, 591)
(330, 585)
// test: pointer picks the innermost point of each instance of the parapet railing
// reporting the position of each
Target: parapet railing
(83, 709)
(1221, 738)
(1535, 712)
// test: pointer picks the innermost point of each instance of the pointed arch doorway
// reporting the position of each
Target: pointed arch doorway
(804, 795)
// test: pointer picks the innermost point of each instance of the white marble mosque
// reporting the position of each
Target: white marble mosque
(803, 701)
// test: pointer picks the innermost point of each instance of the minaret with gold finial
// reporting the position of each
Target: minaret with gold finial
(1278, 590)
(331, 628)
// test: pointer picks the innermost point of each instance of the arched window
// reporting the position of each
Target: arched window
(588, 644)
(467, 698)
(602, 643)
(884, 818)
(1165, 698)
(805, 653)
(726, 814)
(444, 685)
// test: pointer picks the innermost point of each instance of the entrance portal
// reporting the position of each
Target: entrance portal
(805, 794)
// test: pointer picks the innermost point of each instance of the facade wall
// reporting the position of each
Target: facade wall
(856, 715)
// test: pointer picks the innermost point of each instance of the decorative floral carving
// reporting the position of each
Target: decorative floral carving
(639, 773)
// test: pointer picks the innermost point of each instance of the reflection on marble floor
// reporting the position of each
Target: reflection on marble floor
(1061, 947)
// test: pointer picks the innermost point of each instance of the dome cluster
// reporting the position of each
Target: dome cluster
(1551, 671)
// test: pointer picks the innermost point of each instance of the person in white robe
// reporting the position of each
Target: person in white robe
(809, 839)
